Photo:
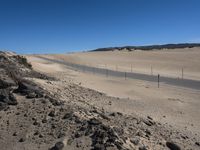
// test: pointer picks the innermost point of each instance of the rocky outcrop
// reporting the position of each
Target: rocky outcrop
(14, 69)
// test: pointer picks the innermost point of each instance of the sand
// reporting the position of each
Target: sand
(42, 112)
(164, 62)
(176, 106)
(53, 106)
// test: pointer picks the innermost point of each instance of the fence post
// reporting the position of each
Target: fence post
(182, 73)
(131, 68)
(158, 80)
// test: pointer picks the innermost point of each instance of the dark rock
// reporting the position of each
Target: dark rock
(94, 111)
(31, 95)
(58, 146)
(6, 98)
(197, 143)
(61, 134)
(140, 133)
(184, 137)
(102, 136)
(36, 133)
(52, 114)
(118, 113)
(82, 128)
(149, 122)
(104, 116)
(12, 100)
(148, 131)
(26, 87)
(3, 106)
(6, 82)
(67, 116)
(18, 113)
(99, 147)
(35, 123)
(43, 101)
(149, 117)
(44, 120)
(77, 120)
(114, 114)
(88, 131)
(143, 148)
(172, 146)
(69, 141)
(34, 119)
(78, 134)
(120, 131)
(22, 139)
(15, 134)
(53, 126)
(119, 145)
(2, 57)
(94, 121)
(41, 136)
(55, 102)
(135, 140)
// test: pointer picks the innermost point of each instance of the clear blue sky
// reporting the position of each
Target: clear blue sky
(56, 26)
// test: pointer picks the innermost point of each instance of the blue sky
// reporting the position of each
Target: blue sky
(58, 26)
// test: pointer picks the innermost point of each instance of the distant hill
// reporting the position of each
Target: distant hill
(150, 47)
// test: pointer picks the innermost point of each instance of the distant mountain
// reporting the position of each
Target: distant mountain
(150, 47)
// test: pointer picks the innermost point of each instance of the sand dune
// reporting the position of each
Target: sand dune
(165, 62)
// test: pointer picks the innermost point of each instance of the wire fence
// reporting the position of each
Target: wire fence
(188, 83)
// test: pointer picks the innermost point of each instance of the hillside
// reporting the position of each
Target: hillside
(150, 47)
(42, 112)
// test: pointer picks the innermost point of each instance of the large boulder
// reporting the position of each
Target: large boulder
(6, 98)
(6, 82)
(28, 88)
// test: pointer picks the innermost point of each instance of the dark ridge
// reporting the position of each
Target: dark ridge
(150, 47)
